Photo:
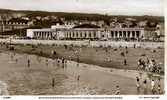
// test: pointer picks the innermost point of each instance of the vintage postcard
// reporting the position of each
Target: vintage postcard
(82, 47)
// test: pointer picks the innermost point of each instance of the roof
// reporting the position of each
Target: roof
(87, 26)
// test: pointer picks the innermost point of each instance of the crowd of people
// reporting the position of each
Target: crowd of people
(145, 86)
(149, 65)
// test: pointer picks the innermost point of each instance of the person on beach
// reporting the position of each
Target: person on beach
(47, 62)
(159, 89)
(159, 86)
(16, 60)
(117, 92)
(78, 78)
(134, 46)
(153, 87)
(125, 62)
(53, 82)
(28, 63)
(65, 64)
(145, 86)
(58, 61)
(54, 53)
(126, 50)
(140, 74)
(63, 61)
(138, 84)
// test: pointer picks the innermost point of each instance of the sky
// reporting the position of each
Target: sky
(110, 7)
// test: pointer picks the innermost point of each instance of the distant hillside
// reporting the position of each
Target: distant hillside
(78, 16)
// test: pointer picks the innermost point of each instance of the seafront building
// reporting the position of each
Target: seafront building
(88, 32)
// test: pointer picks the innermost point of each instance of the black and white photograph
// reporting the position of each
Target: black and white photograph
(82, 47)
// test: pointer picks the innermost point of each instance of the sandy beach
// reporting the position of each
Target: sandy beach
(37, 80)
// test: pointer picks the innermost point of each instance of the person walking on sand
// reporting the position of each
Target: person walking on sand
(159, 89)
(138, 84)
(65, 64)
(28, 63)
(53, 82)
(58, 61)
(153, 87)
(63, 61)
(117, 92)
(145, 86)
(78, 78)
(125, 62)
(159, 86)
(16, 60)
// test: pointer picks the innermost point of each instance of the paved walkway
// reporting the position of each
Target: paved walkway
(91, 43)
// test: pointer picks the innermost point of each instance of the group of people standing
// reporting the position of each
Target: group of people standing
(149, 65)
(145, 86)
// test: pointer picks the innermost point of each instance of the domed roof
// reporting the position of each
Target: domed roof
(86, 26)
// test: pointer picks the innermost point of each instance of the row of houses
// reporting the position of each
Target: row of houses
(9, 25)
